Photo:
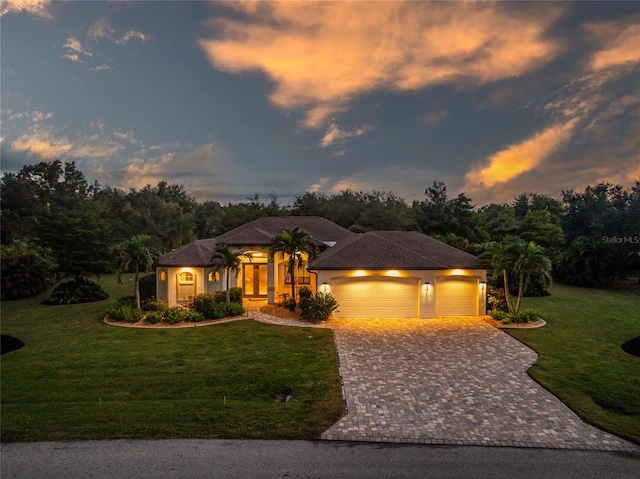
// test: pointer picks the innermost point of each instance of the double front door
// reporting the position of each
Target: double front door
(255, 280)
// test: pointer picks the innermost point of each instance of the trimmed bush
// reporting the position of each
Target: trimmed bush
(154, 317)
(147, 287)
(234, 309)
(206, 303)
(235, 295)
(79, 290)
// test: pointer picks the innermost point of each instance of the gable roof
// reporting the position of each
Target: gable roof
(256, 233)
(393, 250)
(262, 230)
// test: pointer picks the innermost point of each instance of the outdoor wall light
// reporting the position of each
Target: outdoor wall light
(483, 286)
(324, 287)
(427, 285)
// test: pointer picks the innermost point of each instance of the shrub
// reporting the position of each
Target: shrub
(319, 308)
(528, 315)
(206, 303)
(234, 309)
(26, 269)
(79, 290)
(147, 287)
(305, 292)
(128, 314)
(496, 299)
(193, 316)
(498, 314)
(129, 300)
(154, 305)
(175, 315)
(235, 295)
(154, 317)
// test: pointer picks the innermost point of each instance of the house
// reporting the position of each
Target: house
(375, 274)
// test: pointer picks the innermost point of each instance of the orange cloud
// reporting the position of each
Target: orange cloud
(621, 44)
(43, 144)
(337, 135)
(321, 55)
(34, 7)
(522, 157)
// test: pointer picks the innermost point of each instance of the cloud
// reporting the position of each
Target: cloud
(100, 68)
(102, 29)
(39, 8)
(522, 157)
(322, 55)
(74, 50)
(432, 118)
(337, 135)
(42, 143)
(621, 44)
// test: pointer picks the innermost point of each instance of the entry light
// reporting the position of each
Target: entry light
(483, 286)
(324, 287)
(359, 272)
(427, 285)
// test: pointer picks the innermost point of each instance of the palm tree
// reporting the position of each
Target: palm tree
(531, 263)
(133, 254)
(293, 244)
(227, 260)
(503, 256)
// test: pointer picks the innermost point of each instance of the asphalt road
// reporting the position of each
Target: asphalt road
(302, 459)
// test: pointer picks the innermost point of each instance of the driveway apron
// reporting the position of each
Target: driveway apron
(454, 380)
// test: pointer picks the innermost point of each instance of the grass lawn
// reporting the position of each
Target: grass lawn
(77, 378)
(581, 361)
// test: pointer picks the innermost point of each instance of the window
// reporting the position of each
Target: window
(213, 276)
(163, 275)
(186, 286)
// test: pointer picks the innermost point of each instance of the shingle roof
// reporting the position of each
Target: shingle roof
(255, 233)
(393, 250)
(196, 253)
(262, 230)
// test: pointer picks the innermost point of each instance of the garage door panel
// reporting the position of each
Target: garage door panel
(376, 297)
(456, 296)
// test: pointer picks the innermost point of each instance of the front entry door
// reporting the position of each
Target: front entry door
(255, 280)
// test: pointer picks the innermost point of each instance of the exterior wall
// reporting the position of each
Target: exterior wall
(426, 281)
(280, 285)
(167, 289)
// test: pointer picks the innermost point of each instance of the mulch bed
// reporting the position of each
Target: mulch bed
(280, 311)
(501, 325)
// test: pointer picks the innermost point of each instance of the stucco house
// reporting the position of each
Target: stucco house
(375, 274)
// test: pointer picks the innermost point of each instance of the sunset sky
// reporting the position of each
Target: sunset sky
(233, 99)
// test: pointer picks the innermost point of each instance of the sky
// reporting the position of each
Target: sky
(233, 99)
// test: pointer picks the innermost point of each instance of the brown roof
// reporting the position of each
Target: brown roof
(393, 250)
(256, 233)
(262, 230)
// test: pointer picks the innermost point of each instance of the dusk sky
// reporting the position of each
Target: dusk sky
(232, 99)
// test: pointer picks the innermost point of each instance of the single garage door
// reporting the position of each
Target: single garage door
(376, 297)
(456, 296)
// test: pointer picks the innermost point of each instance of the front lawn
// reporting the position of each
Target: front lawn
(77, 378)
(581, 360)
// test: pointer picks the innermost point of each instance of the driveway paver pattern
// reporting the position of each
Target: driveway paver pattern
(454, 380)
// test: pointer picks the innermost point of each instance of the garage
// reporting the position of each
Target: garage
(456, 296)
(376, 297)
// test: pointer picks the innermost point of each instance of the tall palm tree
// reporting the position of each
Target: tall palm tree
(293, 244)
(227, 260)
(531, 263)
(133, 254)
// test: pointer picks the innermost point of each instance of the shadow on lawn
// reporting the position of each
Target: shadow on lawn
(9, 344)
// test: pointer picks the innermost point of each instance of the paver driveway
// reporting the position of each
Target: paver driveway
(449, 381)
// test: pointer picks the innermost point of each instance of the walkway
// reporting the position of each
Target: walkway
(453, 381)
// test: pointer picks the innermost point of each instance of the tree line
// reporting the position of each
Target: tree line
(56, 225)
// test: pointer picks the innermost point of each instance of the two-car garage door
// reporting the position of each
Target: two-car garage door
(376, 297)
(456, 296)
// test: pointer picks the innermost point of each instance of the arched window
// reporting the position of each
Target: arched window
(214, 276)
(163, 275)
(186, 286)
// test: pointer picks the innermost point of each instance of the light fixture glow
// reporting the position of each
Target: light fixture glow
(393, 272)
(359, 272)
(457, 272)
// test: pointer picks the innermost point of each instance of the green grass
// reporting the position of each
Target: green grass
(77, 378)
(581, 361)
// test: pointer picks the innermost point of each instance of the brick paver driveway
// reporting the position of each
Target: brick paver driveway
(449, 381)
